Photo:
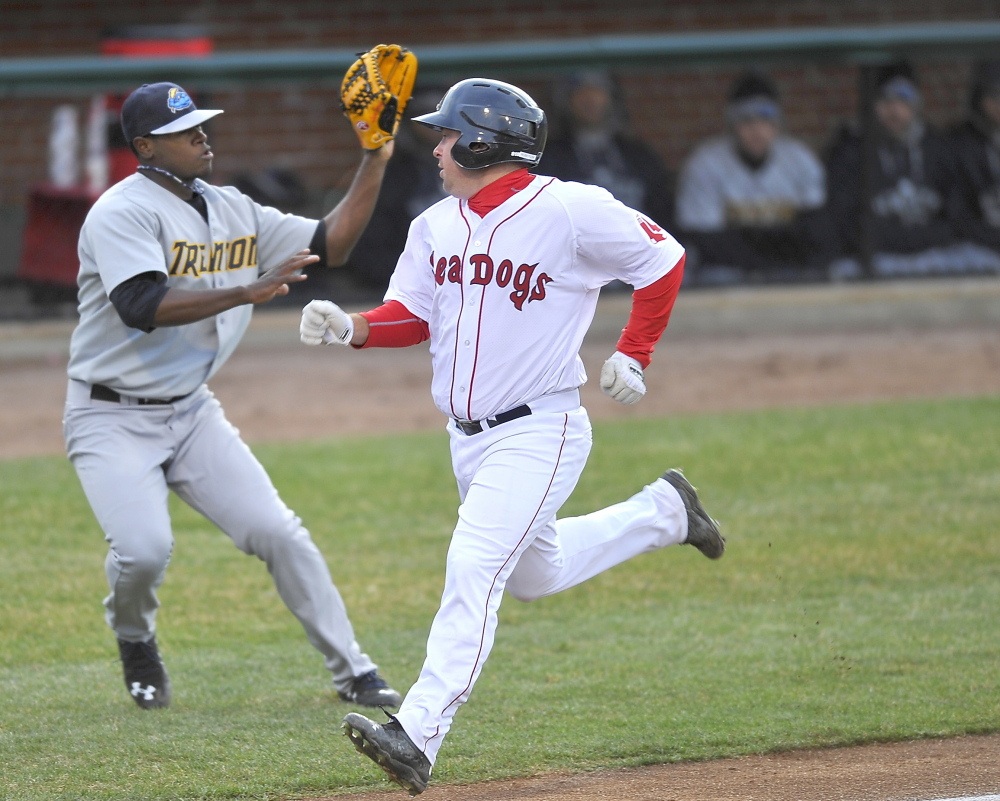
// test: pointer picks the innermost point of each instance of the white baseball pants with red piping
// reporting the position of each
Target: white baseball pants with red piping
(512, 480)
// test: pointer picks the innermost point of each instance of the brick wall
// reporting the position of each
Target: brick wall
(300, 127)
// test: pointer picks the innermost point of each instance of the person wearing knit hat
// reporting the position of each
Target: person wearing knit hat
(913, 226)
(594, 143)
(898, 102)
(976, 148)
(749, 201)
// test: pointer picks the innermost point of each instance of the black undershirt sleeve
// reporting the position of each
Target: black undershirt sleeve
(318, 245)
(137, 299)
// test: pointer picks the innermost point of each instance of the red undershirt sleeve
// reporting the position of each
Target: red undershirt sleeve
(651, 307)
(392, 325)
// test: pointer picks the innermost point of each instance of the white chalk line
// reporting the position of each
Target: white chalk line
(972, 798)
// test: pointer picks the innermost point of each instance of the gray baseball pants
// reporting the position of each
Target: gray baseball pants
(129, 456)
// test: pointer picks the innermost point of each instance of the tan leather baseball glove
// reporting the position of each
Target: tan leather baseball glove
(375, 91)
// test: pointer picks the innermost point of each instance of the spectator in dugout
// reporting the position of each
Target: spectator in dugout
(750, 201)
(912, 212)
(592, 146)
(975, 145)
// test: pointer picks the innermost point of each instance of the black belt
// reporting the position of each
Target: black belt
(471, 427)
(101, 392)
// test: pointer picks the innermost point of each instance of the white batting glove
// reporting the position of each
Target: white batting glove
(324, 322)
(622, 379)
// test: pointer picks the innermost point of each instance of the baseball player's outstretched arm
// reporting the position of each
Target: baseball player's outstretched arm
(391, 325)
(373, 96)
(181, 306)
(347, 220)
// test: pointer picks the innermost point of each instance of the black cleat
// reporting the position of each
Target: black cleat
(146, 676)
(371, 690)
(388, 746)
(703, 531)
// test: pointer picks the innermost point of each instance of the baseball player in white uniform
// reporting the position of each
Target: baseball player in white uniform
(170, 269)
(503, 277)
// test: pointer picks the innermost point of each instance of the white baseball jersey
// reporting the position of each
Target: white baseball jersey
(138, 226)
(509, 297)
(716, 189)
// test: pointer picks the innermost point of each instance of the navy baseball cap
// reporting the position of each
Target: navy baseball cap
(161, 108)
(753, 95)
(751, 108)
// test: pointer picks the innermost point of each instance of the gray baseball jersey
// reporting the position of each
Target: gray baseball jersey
(138, 226)
(717, 189)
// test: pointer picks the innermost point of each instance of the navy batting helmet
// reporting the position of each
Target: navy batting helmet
(492, 113)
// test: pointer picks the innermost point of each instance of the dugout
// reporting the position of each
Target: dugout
(862, 48)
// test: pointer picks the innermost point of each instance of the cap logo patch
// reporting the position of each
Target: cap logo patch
(178, 100)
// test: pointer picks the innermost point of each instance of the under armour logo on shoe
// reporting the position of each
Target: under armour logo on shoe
(145, 692)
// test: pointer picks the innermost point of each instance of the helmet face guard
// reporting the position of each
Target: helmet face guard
(503, 122)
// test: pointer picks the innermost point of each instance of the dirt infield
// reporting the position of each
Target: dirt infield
(725, 350)
(736, 349)
(921, 770)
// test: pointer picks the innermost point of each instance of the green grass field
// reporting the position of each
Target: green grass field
(857, 602)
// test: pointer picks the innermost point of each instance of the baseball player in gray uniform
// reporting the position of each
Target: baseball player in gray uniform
(503, 277)
(170, 270)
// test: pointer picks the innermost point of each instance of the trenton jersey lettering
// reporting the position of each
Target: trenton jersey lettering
(137, 226)
(195, 258)
(509, 297)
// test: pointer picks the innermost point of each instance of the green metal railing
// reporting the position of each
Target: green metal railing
(854, 45)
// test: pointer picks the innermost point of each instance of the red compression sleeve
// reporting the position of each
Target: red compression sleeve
(651, 307)
(392, 325)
